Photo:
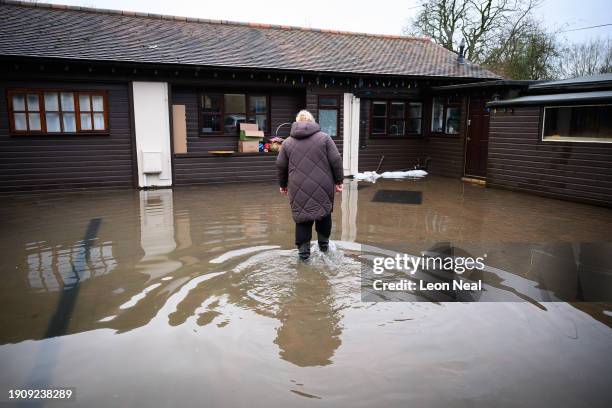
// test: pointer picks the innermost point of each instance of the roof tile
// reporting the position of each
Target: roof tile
(58, 31)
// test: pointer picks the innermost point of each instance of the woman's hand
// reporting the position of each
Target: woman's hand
(283, 190)
(338, 188)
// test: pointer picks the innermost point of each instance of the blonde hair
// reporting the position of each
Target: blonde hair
(304, 116)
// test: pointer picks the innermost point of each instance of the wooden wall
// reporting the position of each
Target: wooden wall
(197, 166)
(35, 163)
(446, 151)
(519, 160)
(400, 153)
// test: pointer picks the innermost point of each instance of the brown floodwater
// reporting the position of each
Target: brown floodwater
(195, 297)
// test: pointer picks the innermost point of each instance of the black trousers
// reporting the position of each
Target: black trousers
(303, 230)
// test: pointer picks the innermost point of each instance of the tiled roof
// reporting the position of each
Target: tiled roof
(52, 31)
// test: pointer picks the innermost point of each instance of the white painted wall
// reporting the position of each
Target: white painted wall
(152, 127)
(350, 157)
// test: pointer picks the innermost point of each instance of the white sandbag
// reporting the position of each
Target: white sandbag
(402, 174)
(367, 176)
(372, 176)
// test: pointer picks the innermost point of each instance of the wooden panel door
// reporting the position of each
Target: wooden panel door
(477, 140)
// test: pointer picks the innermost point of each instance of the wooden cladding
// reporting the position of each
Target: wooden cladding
(57, 161)
(520, 160)
(53, 111)
(399, 152)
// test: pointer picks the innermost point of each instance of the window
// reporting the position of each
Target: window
(234, 111)
(258, 111)
(52, 111)
(590, 123)
(328, 114)
(415, 117)
(222, 113)
(379, 118)
(446, 115)
(211, 113)
(395, 118)
(437, 115)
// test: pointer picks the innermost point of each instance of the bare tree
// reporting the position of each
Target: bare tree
(531, 55)
(440, 20)
(588, 58)
(606, 65)
(484, 24)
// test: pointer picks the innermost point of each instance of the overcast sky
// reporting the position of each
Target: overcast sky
(372, 16)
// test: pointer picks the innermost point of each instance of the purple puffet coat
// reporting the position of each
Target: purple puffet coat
(310, 166)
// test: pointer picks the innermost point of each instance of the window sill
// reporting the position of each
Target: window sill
(236, 154)
(441, 134)
(576, 140)
(60, 134)
(407, 136)
(221, 134)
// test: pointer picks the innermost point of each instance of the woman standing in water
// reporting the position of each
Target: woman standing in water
(309, 169)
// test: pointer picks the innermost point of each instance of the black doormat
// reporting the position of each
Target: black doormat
(398, 197)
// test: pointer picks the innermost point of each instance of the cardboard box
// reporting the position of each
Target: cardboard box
(248, 126)
(251, 135)
(248, 146)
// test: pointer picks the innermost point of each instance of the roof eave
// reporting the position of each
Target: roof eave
(232, 68)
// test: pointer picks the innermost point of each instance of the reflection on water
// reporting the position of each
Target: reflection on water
(157, 233)
(53, 268)
(310, 329)
(199, 291)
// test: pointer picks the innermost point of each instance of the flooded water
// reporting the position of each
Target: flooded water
(195, 297)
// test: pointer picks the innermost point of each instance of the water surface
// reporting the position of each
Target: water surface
(194, 296)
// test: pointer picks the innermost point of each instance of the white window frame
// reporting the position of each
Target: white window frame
(569, 139)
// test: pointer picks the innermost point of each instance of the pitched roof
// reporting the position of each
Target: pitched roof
(53, 31)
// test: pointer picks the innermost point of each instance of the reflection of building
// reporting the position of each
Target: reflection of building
(157, 233)
(53, 268)
(104, 271)
(350, 196)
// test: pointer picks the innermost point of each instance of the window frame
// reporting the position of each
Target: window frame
(372, 117)
(388, 117)
(335, 107)
(543, 140)
(42, 111)
(445, 105)
(253, 115)
(421, 118)
(201, 113)
(248, 113)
